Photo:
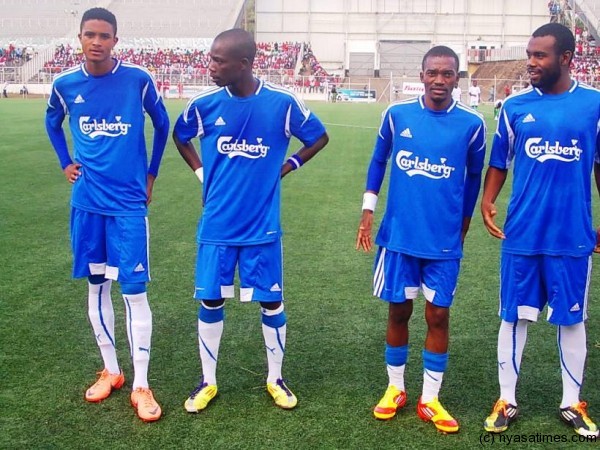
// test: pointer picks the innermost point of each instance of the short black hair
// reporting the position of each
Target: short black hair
(440, 50)
(99, 14)
(564, 39)
(242, 43)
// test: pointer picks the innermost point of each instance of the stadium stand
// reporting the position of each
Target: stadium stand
(172, 39)
(586, 63)
(275, 61)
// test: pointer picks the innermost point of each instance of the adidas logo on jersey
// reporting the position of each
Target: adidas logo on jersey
(79, 99)
(275, 288)
(528, 118)
(139, 268)
(220, 122)
(406, 133)
(575, 308)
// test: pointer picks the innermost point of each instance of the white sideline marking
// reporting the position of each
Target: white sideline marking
(350, 126)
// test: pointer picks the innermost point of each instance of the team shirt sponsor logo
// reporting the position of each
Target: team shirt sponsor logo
(227, 146)
(94, 128)
(414, 165)
(543, 151)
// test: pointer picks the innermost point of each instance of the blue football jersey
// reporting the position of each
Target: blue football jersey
(431, 153)
(106, 119)
(243, 143)
(551, 142)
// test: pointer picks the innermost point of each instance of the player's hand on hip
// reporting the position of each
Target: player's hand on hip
(364, 240)
(489, 212)
(597, 247)
(149, 188)
(72, 172)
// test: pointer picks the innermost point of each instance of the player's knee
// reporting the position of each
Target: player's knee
(399, 313)
(271, 305)
(96, 279)
(213, 303)
(208, 314)
(133, 288)
(274, 318)
(437, 317)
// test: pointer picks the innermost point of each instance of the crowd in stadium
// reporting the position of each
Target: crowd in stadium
(268, 56)
(14, 56)
(586, 63)
(277, 59)
(162, 59)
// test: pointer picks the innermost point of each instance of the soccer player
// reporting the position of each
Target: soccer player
(105, 100)
(474, 95)
(548, 236)
(244, 125)
(457, 93)
(437, 149)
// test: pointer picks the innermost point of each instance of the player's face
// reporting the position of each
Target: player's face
(97, 39)
(440, 77)
(224, 68)
(543, 64)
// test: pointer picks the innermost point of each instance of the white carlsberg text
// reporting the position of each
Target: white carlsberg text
(94, 128)
(414, 165)
(546, 150)
(225, 146)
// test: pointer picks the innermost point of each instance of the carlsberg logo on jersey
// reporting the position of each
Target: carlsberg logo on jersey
(225, 146)
(94, 128)
(417, 166)
(546, 151)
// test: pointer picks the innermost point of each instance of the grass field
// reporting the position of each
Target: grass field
(334, 360)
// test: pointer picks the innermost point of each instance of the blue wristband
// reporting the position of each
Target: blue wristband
(295, 161)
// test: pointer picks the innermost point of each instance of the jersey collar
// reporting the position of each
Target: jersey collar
(114, 69)
(447, 110)
(259, 86)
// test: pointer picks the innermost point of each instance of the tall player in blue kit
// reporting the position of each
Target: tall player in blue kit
(244, 125)
(549, 133)
(436, 147)
(105, 100)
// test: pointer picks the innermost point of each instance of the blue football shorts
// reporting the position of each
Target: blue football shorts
(260, 270)
(113, 246)
(399, 277)
(528, 283)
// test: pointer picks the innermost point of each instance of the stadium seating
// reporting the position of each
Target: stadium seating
(12, 56)
(138, 18)
(275, 61)
(586, 63)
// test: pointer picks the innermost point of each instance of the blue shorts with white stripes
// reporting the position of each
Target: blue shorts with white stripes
(399, 277)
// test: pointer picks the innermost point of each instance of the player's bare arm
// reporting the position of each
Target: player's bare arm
(494, 180)
(188, 153)
(305, 154)
(465, 229)
(72, 172)
(149, 188)
(364, 240)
